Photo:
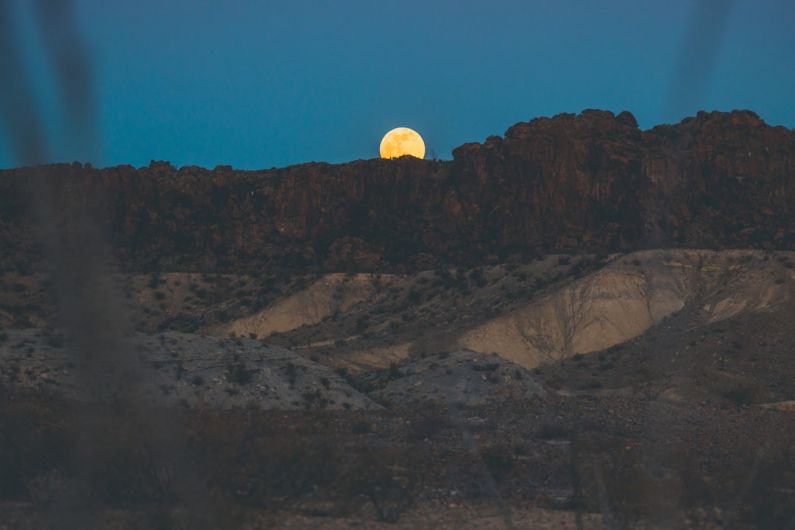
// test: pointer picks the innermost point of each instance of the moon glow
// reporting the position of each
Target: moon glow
(402, 141)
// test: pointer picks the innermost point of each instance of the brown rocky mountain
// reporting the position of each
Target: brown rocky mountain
(592, 182)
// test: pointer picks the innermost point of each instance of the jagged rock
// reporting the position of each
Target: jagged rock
(589, 182)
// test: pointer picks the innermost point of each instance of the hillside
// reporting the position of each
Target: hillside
(608, 390)
(577, 325)
(592, 182)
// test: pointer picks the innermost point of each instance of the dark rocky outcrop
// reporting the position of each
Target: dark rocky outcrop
(591, 182)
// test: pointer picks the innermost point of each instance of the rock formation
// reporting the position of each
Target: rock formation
(592, 182)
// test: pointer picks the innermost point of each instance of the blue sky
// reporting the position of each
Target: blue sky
(257, 84)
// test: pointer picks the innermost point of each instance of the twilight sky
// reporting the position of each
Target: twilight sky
(264, 83)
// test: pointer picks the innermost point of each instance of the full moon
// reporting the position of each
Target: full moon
(402, 141)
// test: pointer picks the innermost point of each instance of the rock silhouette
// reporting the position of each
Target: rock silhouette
(592, 182)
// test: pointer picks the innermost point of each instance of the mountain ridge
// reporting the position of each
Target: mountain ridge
(590, 182)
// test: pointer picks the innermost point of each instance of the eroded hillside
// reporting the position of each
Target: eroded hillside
(531, 314)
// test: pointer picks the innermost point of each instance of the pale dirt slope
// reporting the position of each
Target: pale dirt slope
(330, 294)
(629, 296)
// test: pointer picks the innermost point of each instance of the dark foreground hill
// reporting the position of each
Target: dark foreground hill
(592, 182)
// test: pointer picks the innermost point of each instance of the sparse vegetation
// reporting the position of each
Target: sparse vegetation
(499, 460)
(485, 367)
(239, 373)
(394, 371)
(551, 431)
(740, 396)
(579, 449)
(291, 371)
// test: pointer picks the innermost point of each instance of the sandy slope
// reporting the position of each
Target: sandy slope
(629, 296)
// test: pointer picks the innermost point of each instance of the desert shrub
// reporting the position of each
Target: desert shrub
(291, 371)
(13, 371)
(314, 399)
(552, 431)
(427, 424)
(179, 369)
(414, 297)
(520, 275)
(154, 281)
(364, 385)
(741, 396)
(485, 367)
(476, 276)
(361, 427)
(443, 279)
(580, 268)
(499, 461)
(394, 371)
(362, 322)
(239, 373)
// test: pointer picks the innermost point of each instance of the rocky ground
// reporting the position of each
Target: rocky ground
(178, 369)
(643, 390)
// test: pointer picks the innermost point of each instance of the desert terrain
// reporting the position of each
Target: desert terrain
(581, 324)
(650, 389)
